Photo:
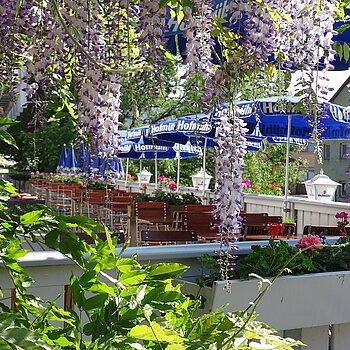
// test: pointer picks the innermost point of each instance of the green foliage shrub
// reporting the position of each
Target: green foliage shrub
(127, 306)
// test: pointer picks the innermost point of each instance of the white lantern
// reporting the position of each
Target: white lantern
(321, 187)
(144, 176)
(201, 178)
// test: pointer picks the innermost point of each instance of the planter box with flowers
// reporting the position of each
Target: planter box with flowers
(167, 193)
(312, 291)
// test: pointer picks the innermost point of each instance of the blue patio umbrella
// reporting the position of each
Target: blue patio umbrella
(142, 135)
(71, 162)
(139, 151)
(114, 167)
(81, 156)
(284, 122)
(196, 126)
(176, 43)
(96, 163)
(63, 158)
(87, 162)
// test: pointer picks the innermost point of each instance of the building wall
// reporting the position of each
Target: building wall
(335, 165)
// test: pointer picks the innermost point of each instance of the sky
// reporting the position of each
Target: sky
(336, 79)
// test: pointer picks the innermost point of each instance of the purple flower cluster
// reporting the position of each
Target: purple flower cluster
(198, 21)
(229, 166)
(151, 29)
(297, 33)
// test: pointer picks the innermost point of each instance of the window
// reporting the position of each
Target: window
(311, 147)
(343, 151)
(310, 174)
(327, 152)
(343, 189)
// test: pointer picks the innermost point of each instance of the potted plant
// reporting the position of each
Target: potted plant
(309, 273)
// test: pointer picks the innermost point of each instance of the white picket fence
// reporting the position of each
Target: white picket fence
(304, 211)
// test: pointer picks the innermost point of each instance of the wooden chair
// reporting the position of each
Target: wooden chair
(151, 215)
(190, 208)
(117, 206)
(95, 204)
(149, 237)
(153, 212)
(254, 227)
(120, 236)
(201, 208)
(203, 223)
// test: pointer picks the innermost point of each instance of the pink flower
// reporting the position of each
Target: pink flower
(162, 178)
(172, 186)
(310, 241)
(342, 215)
(246, 183)
(144, 185)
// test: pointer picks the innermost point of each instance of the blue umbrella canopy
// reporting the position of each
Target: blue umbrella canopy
(184, 129)
(279, 119)
(63, 158)
(271, 118)
(81, 156)
(71, 162)
(143, 136)
(113, 166)
(176, 43)
(133, 150)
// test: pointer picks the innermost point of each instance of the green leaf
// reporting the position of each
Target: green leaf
(156, 333)
(7, 186)
(338, 47)
(99, 287)
(19, 4)
(95, 302)
(176, 347)
(31, 217)
(87, 279)
(346, 51)
(17, 253)
(342, 28)
(7, 319)
(21, 338)
(132, 277)
(127, 264)
(8, 122)
(7, 137)
(167, 270)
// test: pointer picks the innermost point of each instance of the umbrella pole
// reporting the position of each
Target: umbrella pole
(156, 170)
(178, 175)
(126, 172)
(204, 166)
(286, 180)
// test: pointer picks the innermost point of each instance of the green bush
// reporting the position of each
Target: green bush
(127, 306)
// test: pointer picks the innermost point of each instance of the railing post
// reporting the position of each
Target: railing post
(340, 339)
(132, 229)
(316, 338)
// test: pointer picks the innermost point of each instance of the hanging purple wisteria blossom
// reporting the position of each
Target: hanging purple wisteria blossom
(103, 42)
(229, 166)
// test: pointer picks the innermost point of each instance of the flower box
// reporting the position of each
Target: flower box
(292, 302)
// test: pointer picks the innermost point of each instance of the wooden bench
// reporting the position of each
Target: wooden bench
(323, 230)
(203, 223)
(167, 237)
(89, 240)
(255, 227)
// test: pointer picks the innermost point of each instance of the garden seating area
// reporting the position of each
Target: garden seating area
(157, 222)
(151, 222)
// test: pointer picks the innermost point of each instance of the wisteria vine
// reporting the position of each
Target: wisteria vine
(103, 42)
